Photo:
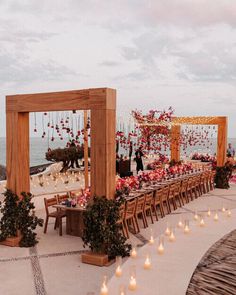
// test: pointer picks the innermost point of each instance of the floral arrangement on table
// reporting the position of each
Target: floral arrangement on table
(203, 157)
(82, 198)
(158, 162)
(124, 185)
(179, 169)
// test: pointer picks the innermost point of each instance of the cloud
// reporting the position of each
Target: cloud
(110, 63)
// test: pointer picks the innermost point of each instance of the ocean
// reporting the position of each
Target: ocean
(39, 146)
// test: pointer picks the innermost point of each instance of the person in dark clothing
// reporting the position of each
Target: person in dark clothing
(138, 158)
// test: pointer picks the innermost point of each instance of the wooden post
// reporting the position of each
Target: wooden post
(175, 142)
(222, 141)
(17, 147)
(86, 174)
(103, 148)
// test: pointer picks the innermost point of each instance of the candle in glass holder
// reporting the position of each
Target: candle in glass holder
(196, 217)
(167, 231)
(186, 227)
(104, 289)
(132, 280)
(172, 236)
(216, 217)
(209, 212)
(160, 248)
(202, 222)
(133, 253)
(223, 209)
(180, 224)
(229, 213)
(118, 271)
(122, 290)
(147, 263)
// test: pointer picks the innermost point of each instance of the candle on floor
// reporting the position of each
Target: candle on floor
(151, 241)
(186, 227)
(167, 231)
(202, 223)
(216, 217)
(196, 217)
(122, 290)
(229, 213)
(180, 224)
(223, 209)
(132, 280)
(104, 289)
(147, 263)
(118, 271)
(209, 212)
(134, 253)
(172, 236)
(160, 248)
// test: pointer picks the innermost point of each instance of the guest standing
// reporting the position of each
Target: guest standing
(138, 158)
(230, 151)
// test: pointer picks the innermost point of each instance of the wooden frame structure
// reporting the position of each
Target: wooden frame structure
(221, 122)
(101, 102)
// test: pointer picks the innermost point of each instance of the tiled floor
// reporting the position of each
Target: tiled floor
(54, 266)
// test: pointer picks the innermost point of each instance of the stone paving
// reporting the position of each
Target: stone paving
(54, 266)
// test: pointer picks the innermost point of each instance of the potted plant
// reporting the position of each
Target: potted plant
(223, 175)
(102, 232)
(18, 220)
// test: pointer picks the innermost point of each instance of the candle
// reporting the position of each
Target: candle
(180, 224)
(202, 223)
(160, 248)
(118, 271)
(228, 213)
(104, 289)
(147, 263)
(186, 227)
(167, 231)
(216, 218)
(172, 236)
(132, 284)
(223, 209)
(122, 290)
(196, 216)
(209, 213)
(151, 241)
(133, 253)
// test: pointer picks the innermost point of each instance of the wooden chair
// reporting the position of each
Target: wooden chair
(175, 195)
(139, 211)
(57, 214)
(190, 188)
(212, 180)
(156, 203)
(121, 221)
(164, 200)
(130, 215)
(183, 190)
(148, 207)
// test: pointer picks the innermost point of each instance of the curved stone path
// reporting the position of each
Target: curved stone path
(216, 272)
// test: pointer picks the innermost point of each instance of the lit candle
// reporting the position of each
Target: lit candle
(223, 209)
(104, 289)
(118, 271)
(151, 241)
(167, 231)
(186, 228)
(202, 223)
(229, 213)
(172, 236)
(196, 216)
(122, 290)
(216, 217)
(209, 213)
(133, 253)
(132, 284)
(160, 248)
(180, 224)
(147, 263)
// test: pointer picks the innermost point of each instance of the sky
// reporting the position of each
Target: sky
(156, 53)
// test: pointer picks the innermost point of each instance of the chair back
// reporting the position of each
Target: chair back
(149, 200)
(140, 204)
(130, 208)
(165, 193)
(121, 213)
(156, 196)
(49, 203)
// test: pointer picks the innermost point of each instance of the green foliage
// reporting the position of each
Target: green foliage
(102, 233)
(223, 175)
(19, 215)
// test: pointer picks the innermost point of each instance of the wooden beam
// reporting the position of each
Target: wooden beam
(86, 174)
(17, 151)
(222, 142)
(175, 142)
(94, 98)
(198, 120)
